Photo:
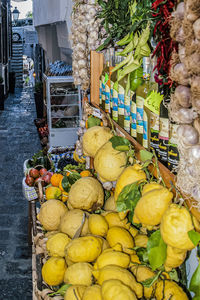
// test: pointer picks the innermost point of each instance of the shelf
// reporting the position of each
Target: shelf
(64, 105)
(64, 95)
(67, 117)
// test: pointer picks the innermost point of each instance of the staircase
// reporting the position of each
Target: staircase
(17, 63)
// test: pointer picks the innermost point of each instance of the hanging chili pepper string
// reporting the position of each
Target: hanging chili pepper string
(161, 33)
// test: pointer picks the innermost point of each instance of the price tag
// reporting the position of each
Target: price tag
(152, 102)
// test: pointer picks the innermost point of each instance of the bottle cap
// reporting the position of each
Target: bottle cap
(146, 60)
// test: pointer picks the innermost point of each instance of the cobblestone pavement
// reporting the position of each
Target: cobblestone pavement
(18, 141)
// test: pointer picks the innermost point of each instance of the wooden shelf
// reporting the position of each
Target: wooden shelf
(168, 177)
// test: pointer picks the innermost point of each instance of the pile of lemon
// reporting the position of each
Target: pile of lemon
(95, 253)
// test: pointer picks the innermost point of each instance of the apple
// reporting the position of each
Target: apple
(47, 178)
(34, 173)
(29, 180)
(43, 171)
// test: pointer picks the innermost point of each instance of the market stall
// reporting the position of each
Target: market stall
(120, 217)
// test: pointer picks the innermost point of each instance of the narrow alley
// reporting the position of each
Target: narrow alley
(18, 141)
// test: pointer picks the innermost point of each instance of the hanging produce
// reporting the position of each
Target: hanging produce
(85, 29)
(184, 105)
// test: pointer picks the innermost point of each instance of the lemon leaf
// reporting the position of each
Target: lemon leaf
(195, 283)
(194, 237)
(65, 184)
(157, 250)
(119, 143)
(129, 197)
(150, 281)
(145, 155)
(61, 291)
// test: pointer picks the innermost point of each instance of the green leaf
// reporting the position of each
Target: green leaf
(119, 143)
(194, 237)
(145, 155)
(61, 291)
(65, 184)
(142, 254)
(157, 250)
(195, 282)
(73, 177)
(129, 197)
(174, 275)
(150, 281)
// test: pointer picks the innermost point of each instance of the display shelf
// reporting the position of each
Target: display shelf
(168, 177)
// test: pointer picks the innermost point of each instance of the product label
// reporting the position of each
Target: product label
(133, 120)
(121, 100)
(163, 140)
(173, 154)
(140, 111)
(107, 98)
(127, 112)
(152, 102)
(100, 92)
(103, 88)
(145, 130)
(115, 105)
(111, 94)
(154, 132)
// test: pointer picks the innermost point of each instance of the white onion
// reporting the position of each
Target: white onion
(188, 134)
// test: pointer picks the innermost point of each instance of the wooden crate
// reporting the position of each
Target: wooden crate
(168, 177)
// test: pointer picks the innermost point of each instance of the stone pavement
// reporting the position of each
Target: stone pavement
(18, 141)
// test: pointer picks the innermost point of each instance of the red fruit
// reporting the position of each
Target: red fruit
(39, 179)
(43, 171)
(34, 173)
(50, 173)
(47, 178)
(29, 180)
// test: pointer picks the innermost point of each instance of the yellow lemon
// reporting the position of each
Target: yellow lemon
(175, 257)
(130, 175)
(151, 186)
(113, 219)
(118, 236)
(111, 257)
(56, 244)
(75, 292)
(141, 240)
(79, 274)
(92, 293)
(174, 227)
(167, 289)
(98, 225)
(115, 290)
(53, 192)
(53, 270)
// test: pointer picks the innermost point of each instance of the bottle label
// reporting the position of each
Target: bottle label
(103, 88)
(100, 92)
(111, 94)
(115, 105)
(145, 130)
(140, 111)
(173, 154)
(163, 140)
(133, 119)
(127, 112)
(121, 100)
(107, 98)
(154, 131)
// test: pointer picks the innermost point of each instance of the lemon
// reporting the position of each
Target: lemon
(169, 290)
(176, 223)
(133, 231)
(111, 257)
(98, 225)
(141, 240)
(86, 193)
(53, 192)
(53, 270)
(120, 239)
(175, 257)
(116, 290)
(152, 205)
(79, 274)
(94, 138)
(151, 186)
(143, 273)
(119, 273)
(110, 204)
(109, 163)
(113, 219)
(75, 292)
(57, 243)
(92, 293)
(134, 259)
(50, 214)
(130, 175)
(71, 222)
(104, 243)
(83, 249)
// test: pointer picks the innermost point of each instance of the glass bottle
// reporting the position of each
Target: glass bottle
(173, 154)
(114, 87)
(163, 134)
(122, 91)
(109, 84)
(105, 78)
(141, 94)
